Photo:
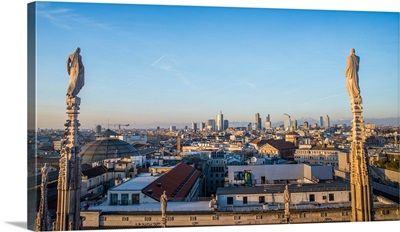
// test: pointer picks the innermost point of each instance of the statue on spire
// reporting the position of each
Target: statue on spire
(351, 73)
(76, 72)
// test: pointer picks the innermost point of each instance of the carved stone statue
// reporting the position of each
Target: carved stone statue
(286, 200)
(163, 201)
(42, 218)
(76, 72)
(212, 202)
(351, 74)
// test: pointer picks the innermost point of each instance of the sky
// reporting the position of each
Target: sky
(160, 64)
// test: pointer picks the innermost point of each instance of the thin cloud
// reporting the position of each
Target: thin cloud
(248, 84)
(158, 60)
(166, 64)
(324, 98)
(68, 19)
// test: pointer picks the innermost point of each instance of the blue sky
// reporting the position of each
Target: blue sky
(172, 64)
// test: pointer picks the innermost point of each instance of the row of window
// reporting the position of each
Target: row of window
(261, 199)
(217, 174)
(316, 157)
(124, 199)
(317, 152)
(238, 217)
(217, 169)
(235, 217)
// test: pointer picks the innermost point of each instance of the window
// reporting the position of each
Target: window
(323, 197)
(215, 218)
(236, 217)
(259, 217)
(193, 218)
(324, 214)
(331, 197)
(385, 212)
(170, 218)
(312, 197)
(135, 198)
(124, 199)
(113, 199)
(229, 200)
(261, 199)
(147, 219)
(244, 200)
(125, 219)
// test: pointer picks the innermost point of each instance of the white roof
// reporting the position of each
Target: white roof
(137, 183)
(193, 206)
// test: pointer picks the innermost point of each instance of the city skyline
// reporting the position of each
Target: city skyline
(143, 66)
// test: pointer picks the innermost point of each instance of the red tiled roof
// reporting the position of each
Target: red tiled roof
(178, 182)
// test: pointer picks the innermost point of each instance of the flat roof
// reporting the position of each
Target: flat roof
(137, 183)
(279, 188)
(182, 206)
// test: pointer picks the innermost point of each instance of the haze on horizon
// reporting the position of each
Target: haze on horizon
(144, 66)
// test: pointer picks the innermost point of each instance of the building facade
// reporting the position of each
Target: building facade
(325, 155)
(216, 168)
(278, 148)
(270, 197)
(254, 175)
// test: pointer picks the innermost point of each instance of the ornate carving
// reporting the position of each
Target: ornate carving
(286, 200)
(43, 219)
(69, 180)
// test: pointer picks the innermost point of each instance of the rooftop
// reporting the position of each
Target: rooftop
(137, 183)
(177, 183)
(194, 206)
(279, 188)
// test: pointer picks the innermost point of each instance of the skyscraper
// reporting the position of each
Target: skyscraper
(211, 124)
(321, 121)
(226, 124)
(194, 126)
(220, 121)
(257, 121)
(327, 122)
(202, 126)
(295, 124)
(268, 122)
(287, 123)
